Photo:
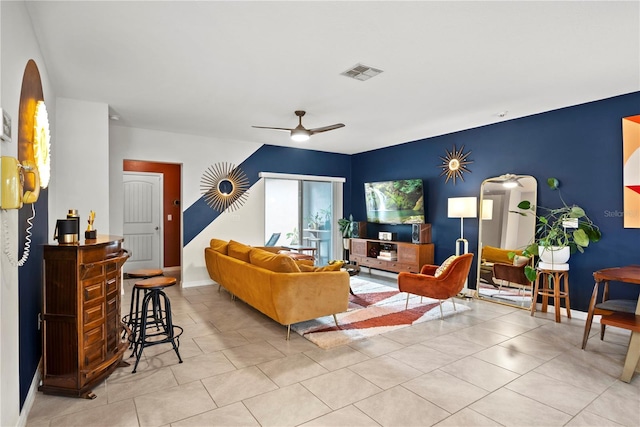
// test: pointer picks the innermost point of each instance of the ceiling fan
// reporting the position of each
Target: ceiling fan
(300, 133)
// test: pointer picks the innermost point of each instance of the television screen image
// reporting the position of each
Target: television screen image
(395, 202)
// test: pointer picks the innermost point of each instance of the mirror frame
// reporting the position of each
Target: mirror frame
(522, 240)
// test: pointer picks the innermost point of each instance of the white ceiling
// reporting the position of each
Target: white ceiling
(215, 68)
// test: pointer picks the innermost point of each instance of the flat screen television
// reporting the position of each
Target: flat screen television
(395, 202)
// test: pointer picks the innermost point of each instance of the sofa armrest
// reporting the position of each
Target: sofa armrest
(303, 296)
(429, 269)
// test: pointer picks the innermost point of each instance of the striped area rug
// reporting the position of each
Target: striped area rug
(375, 309)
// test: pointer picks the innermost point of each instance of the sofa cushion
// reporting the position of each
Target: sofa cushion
(274, 262)
(493, 254)
(219, 245)
(239, 250)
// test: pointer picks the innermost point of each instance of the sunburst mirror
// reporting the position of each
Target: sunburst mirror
(224, 186)
(454, 164)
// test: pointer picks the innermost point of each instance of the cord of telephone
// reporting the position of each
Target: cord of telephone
(6, 247)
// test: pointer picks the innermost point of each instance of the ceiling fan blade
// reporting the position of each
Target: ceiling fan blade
(326, 128)
(269, 127)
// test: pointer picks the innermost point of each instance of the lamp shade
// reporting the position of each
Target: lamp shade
(463, 207)
(487, 209)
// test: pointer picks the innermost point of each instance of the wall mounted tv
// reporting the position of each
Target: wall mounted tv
(395, 202)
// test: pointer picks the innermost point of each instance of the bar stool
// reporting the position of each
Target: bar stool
(156, 307)
(143, 273)
(555, 284)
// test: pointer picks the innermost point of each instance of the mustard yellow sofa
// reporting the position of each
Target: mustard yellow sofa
(274, 284)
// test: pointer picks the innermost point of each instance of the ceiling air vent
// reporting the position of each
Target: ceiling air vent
(361, 72)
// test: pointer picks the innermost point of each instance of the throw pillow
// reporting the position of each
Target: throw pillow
(239, 250)
(444, 266)
(492, 254)
(273, 262)
(520, 260)
(219, 246)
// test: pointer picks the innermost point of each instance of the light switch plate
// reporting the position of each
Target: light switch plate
(6, 125)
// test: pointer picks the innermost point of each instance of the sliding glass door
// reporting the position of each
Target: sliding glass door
(303, 212)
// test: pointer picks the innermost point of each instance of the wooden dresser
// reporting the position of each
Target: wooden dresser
(81, 334)
(409, 256)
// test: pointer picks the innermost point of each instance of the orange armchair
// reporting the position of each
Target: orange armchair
(447, 284)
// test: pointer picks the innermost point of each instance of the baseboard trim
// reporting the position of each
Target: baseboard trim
(31, 397)
(194, 283)
(575, 314)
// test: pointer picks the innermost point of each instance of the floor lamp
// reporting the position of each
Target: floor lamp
(463, 207)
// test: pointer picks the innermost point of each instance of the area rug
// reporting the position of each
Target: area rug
(521, 297)
(374, 309)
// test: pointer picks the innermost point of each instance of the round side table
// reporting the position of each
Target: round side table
(353, 268)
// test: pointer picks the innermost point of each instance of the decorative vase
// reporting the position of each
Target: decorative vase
(554, 254)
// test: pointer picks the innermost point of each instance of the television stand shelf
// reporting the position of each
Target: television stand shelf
(396, 256)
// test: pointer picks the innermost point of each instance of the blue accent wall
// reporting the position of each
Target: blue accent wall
(579, 145)
(270, 158)
(30, 290)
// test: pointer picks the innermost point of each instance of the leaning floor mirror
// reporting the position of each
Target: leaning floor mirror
(501, 278)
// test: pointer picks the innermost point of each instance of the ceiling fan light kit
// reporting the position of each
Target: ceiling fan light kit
(300, 133)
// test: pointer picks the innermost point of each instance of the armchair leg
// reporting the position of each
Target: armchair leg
(441, 315)
(288, 331)
(335, 319)
(407, 304)
(454, 304)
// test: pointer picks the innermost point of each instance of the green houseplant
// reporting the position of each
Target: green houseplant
(345, 225)
(565, 227)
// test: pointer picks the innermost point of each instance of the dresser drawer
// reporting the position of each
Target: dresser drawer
(92, 270)
(93, 291)
(94, 354)
(93, 336)
(112, 287)
(93, 315)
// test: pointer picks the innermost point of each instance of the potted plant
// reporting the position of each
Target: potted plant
(345, 225)
(325, 214)
(293, 236)
(560, 232)
(314, 221)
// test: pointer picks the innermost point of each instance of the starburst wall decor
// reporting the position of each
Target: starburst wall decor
(454, 164)
(224, 186)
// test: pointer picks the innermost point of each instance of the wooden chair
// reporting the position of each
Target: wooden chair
(630, 322)
(447, 284)
(606, 306)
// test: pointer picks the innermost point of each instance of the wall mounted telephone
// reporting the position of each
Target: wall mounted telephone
(12, 189)
(13, 194)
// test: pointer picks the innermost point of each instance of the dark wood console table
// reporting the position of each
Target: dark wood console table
(81, 332)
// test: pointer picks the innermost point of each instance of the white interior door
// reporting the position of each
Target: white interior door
(142, 213)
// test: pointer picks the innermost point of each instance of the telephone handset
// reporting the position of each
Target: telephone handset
(12, 187)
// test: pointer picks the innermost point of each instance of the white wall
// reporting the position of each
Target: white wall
(80, 169)
(196, 154)
(17, 45)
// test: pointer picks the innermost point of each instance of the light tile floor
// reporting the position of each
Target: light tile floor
(492, 365)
